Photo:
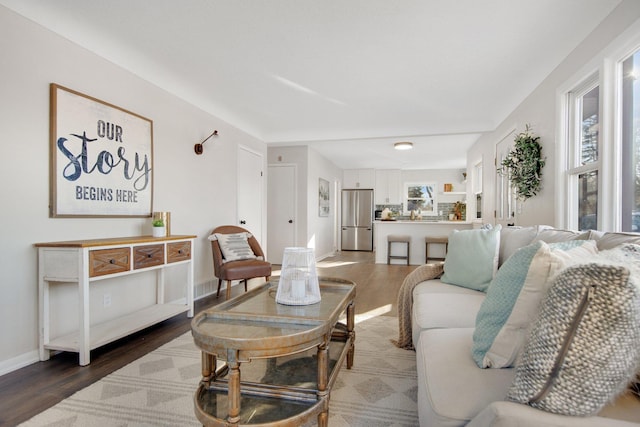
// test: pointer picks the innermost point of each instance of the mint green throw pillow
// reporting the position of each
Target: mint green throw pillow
(472, 258)
(513, 297)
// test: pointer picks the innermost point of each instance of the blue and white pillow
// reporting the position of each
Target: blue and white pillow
(513, 297)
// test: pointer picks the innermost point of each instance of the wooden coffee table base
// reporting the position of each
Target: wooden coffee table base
(294, 361)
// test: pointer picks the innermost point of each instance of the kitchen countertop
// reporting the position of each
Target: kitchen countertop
(418, 221)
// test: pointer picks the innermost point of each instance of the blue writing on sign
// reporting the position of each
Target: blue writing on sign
(105, 162)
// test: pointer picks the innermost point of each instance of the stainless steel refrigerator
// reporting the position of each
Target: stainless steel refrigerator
(357, 220)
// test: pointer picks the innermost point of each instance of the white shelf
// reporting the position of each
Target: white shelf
(453, 193)
(86, 261)
(104, 333)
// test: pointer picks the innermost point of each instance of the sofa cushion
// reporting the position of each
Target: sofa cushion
(585, 344)
(472, 258)
(554, 235)
(440, 305)
(451, 388)
(436, 286)
(509, 414)
(610, 240)
(514, 238)
(514, 295)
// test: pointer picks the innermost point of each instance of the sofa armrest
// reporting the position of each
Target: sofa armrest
(508, 414)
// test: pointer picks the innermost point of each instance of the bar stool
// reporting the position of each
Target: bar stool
(435, 241)
(398, 239)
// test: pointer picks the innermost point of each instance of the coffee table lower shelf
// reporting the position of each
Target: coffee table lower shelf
(212, 407)
(279, 391)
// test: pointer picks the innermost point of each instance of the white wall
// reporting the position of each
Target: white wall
(440, 176)
(199, 191)
(539, 110)
(312, 230)
(321, 231)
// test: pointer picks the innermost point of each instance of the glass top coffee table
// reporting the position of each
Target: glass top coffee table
(295, 354)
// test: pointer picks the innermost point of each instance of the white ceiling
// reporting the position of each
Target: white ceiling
(346, 77)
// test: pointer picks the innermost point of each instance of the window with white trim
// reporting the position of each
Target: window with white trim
(630, 143)
(600, 137)
(583, 155)
(421, 198)
(477, 188)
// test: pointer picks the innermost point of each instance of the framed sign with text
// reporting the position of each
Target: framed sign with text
(101, 158)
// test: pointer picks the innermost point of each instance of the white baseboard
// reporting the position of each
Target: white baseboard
(206, 288)
(202, 290)
(211, 287)
(18, 362)
(321, 257)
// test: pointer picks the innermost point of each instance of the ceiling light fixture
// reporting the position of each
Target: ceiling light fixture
(405, 145)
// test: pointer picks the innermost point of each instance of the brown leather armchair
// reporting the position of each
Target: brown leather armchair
(238, 270)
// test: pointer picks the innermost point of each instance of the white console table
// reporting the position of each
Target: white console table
(86, 261)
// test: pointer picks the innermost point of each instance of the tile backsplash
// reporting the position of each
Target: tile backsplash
(445, 208)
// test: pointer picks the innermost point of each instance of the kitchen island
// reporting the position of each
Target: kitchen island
(418, 230)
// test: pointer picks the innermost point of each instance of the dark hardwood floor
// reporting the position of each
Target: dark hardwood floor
(30, 390)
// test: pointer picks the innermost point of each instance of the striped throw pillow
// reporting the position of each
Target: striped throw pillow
(235, 247)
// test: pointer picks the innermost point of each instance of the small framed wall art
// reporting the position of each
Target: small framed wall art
(324, 198)
(101, 158)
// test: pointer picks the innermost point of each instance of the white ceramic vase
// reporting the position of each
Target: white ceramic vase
(159, 231)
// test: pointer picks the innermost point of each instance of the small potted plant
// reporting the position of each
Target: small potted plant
(158, 228)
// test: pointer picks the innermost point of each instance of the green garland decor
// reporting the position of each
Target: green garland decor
(524, 165)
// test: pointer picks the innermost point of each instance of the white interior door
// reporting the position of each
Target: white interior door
(281, 210)
(505, 195)
(250, 190)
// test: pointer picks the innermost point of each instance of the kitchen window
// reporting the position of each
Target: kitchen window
(421, 198)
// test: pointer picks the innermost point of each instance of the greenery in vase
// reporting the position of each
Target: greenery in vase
(523, 165)
(158, 223)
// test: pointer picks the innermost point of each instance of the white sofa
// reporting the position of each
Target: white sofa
(452, 389)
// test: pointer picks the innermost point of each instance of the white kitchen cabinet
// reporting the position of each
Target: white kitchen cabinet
(388, 188)
(358, 178)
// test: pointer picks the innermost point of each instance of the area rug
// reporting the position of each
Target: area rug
(157, 389)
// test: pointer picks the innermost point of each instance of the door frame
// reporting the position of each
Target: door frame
(263, 204)
(294, 166)
(337, 217)
(505, 198)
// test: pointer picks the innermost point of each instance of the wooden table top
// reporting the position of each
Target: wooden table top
(257, 326)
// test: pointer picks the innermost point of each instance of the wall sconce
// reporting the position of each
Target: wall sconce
(198, 147)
